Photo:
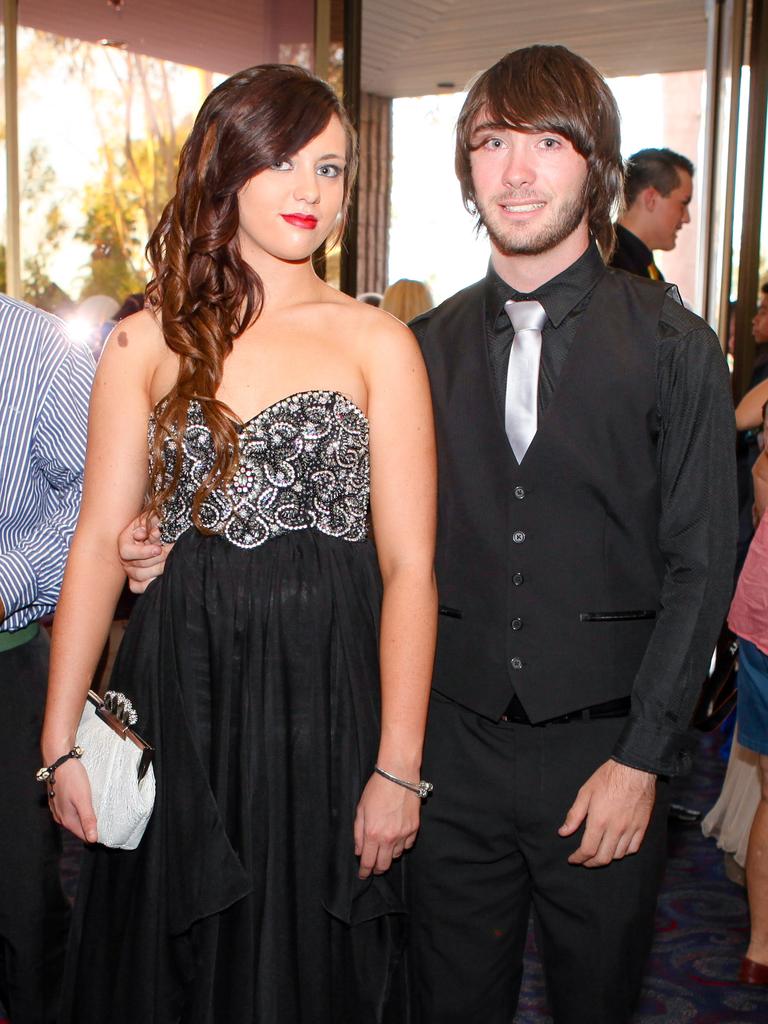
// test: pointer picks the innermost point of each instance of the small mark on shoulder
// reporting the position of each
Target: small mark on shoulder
(122, 339)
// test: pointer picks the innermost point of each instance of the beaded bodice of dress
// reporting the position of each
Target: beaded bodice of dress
(303, 463)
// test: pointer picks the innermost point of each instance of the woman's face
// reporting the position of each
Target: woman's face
(289, 209)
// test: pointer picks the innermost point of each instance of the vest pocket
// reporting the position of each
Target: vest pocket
(451, 613)
(628, 616)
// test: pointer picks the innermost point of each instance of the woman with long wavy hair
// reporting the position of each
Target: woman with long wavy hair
(280, 659)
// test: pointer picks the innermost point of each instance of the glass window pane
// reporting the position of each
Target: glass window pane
(99, 133)
(100, 128)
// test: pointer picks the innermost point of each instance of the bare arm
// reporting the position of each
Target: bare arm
(749, 411)
(113, 492)
(403, 503)
(760, 484)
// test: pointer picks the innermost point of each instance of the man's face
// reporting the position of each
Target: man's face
(529, 188)
(670, 212)
(760, 321)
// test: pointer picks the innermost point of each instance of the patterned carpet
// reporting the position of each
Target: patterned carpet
(701, 928)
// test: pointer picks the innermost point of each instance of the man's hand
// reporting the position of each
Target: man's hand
(142, 553)
(616, 802)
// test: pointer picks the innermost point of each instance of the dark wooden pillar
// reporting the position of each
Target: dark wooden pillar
(353, 20)
(373, 192)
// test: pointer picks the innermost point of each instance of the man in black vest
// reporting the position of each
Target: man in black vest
(585, 550)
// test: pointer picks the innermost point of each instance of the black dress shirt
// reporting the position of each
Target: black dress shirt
(564, 299)
(633, 255)
(697, 514)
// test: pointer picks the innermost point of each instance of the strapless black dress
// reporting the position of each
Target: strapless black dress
(253, 664)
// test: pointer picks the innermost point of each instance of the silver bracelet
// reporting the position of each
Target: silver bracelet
(421, 788)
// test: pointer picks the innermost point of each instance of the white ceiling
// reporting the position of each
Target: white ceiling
(409, 46)
(224, 36)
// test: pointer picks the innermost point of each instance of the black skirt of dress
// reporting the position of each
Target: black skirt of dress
(255, 675)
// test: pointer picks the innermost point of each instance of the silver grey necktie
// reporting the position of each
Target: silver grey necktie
(521, 402)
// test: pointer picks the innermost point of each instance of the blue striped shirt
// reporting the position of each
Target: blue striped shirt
(45, 384)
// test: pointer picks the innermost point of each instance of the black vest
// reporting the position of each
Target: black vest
(549, 572)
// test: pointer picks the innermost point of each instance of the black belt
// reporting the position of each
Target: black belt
(618, 708)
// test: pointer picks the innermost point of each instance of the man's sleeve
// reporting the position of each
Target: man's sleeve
(31, 573)
(697, 537)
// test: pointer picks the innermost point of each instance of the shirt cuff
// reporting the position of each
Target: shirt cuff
(644, 745)
(18, 582)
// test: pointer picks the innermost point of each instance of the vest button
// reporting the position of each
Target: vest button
(518, 536)
(517, 624)
(516, 662)
(518, 579)
(520, 493)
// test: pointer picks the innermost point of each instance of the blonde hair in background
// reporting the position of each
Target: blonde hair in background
(406, 299)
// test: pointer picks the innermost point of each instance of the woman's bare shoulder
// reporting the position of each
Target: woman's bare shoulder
(136, 349)
(365, 323)
(141, 331)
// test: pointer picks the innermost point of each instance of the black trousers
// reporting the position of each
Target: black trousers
(34, 913)
(488, 851)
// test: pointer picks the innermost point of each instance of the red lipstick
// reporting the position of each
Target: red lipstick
(300, 220)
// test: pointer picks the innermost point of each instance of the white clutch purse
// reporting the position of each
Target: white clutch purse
(119, 766)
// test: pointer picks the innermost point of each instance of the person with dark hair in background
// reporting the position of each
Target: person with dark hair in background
(45, 382)
(268, 885)
(585, 549)
(131, 304)
(748, 424)
(658, 188)
(749, 411)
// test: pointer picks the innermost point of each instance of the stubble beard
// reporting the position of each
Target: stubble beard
(536, 241)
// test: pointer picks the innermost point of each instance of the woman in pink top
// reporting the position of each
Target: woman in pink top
(748, 618)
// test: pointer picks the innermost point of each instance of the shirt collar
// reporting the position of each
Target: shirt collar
(635, 246)
(558, 296)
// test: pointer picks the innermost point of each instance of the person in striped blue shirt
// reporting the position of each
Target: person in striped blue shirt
(45, 383)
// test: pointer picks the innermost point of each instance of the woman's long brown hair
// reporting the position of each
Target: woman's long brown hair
(202, 290)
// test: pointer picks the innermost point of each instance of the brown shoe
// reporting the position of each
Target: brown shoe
(753, 973)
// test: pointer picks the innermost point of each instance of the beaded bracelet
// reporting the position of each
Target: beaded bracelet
(421, 788)
(49, 774)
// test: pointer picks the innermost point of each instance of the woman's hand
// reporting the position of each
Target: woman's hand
(72, 806)
(386, 823)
